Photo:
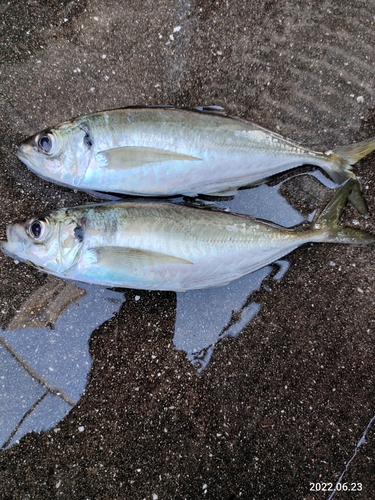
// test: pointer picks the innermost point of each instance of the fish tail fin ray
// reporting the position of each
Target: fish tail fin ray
(345, 156)
(352, 153)
(341, 168)
(328, 221)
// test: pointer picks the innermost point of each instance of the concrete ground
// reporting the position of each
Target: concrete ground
(281, 409)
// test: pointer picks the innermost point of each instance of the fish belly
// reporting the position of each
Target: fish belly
(208, 175)
(180, 277)
(224, 154)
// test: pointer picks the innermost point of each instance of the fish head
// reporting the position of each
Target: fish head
(49, 242)
(61, 154)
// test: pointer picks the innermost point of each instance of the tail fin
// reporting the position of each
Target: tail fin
(342, 160)
(327, 222)
(352, 153)
(346, 156)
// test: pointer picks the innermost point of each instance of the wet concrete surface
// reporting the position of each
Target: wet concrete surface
(283, 406)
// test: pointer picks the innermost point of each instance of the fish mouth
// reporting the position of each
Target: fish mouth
(24, 156)
(14, 245)
(24, 152)
(7, 249)
(21, 153)
(3, 246)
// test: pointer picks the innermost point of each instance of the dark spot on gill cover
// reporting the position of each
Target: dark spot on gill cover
(87, 140)
(78, 233)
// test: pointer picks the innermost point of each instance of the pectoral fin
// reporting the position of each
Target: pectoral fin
(125, 257)
(134, 156)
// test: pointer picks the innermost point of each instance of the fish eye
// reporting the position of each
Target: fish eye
(45, 143)
(37, 228)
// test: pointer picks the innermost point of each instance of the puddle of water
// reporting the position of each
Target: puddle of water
(204, 316)
(37, 362)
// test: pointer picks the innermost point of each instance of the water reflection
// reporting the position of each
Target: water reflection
(43, 371)
(204, 317)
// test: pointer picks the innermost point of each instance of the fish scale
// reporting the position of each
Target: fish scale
(165, 246)
(156, 151)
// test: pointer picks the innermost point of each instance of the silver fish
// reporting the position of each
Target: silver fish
(161, 151)
(163, 246)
